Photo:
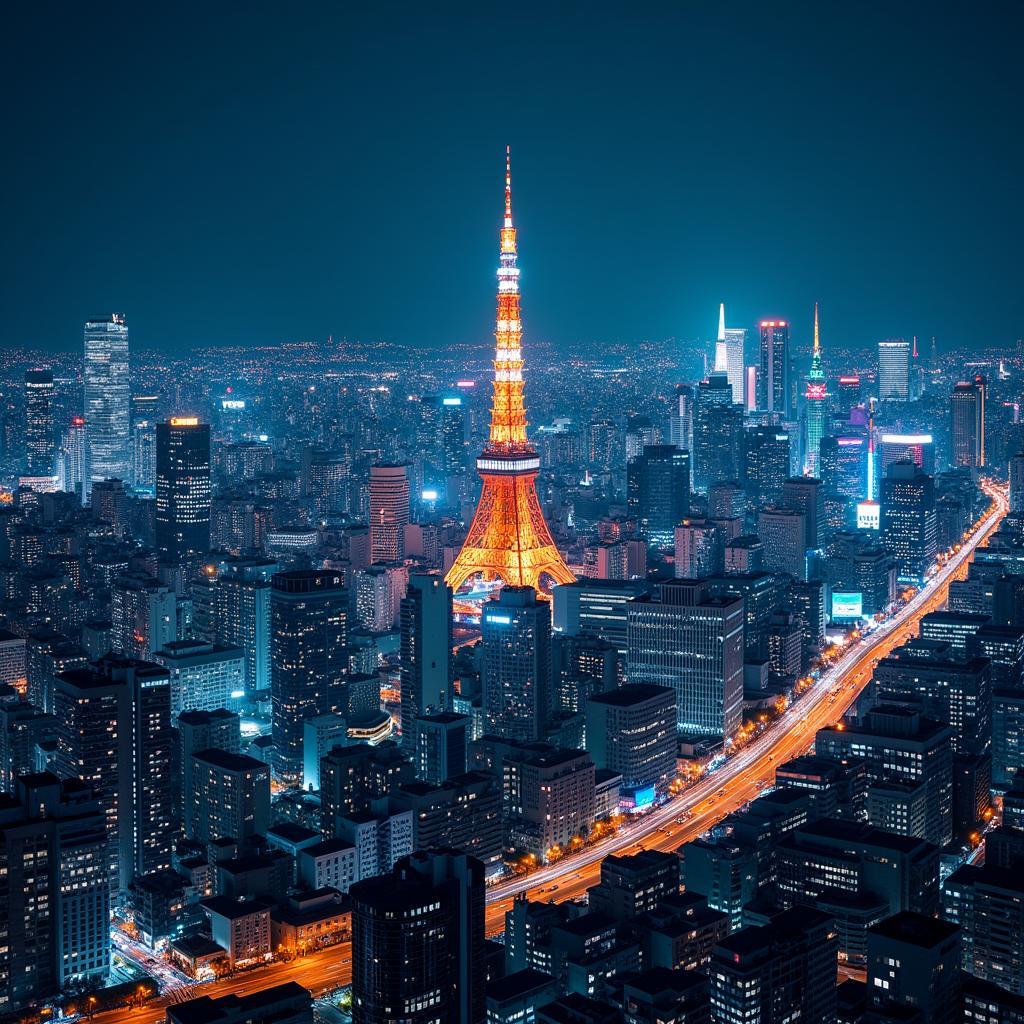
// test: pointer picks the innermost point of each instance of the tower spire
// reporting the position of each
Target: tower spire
(508, 537)
(817, 337)
(721, 321)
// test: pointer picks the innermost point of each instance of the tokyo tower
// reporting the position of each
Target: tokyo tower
(816, 394)
(508, 538)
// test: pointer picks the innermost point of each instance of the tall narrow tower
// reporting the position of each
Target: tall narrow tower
(817, 397)
(508, 538)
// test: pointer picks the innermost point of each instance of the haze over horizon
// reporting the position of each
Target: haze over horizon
(245, 179)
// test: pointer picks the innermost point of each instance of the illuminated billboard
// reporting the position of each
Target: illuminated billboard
(847, 605)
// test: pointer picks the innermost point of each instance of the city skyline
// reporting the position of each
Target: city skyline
(660, 178)
(541, 678)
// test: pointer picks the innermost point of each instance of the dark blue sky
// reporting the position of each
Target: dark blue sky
(261, 173)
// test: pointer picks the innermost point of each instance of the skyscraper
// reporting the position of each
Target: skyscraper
(39, 438)
(733, 342)
(680, 417)
(1017, 483)
(114, 733)
(143, 615)
(693, 644)
(389, 511)
(765, 464)
(106, 397)
(453, 434)
(182, 490)
(418, 942)
(967, 408)
(817, 405)
(894, 370)
(717, 434)
(55, 887)
(73, 470)
(516, 664)
(773, 379)
(425, 650)
(658, 488)
(236, 607)
(309, 656)
(509, 537)
(908, 520)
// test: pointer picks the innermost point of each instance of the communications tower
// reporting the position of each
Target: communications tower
(816, 396)
(508, 538)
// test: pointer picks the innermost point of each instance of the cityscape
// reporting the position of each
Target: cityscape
(516, 679)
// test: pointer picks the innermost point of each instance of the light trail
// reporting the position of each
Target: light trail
(738, 781)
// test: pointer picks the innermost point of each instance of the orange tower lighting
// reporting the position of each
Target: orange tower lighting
(508, 538)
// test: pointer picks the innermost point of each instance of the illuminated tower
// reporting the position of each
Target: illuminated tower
(817, 397)
(508, 538)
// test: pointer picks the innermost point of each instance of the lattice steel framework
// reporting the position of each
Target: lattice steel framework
(508, 538)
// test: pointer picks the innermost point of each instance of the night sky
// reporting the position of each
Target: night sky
(255, 174)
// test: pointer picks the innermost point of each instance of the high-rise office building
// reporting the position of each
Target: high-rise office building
(453, 434)
(515, 667)
(182, 490)
(680, 417)
(805, 494)
(234, 606)
(73, 462)
(909, 764)
(106, 397)
(914, 961)
(204, 676)
(55, 888)
(39, 436)
(114, 733)
(389, 511)
(309, 656)
(732, 342)
(440, 745)
(782, 971)
(765, 464)
(425, 650)
(783, 532)
(198, 731)
(845, 394)
(894, 370)
(1017, 483)
(631, 730)
(699, 549)
(987, 902)
(844, 465)
(658, 491)
(916, 448)
(143, 616)
(229, 797)
(418, 942)
(717, 433)
(908, 520)
(967, 409)
(773, 379)
(692, 643)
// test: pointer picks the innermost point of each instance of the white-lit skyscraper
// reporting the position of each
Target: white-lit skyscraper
(73, 463)
(106, 396)
(39, 447)
(894, 370)
(729, 352)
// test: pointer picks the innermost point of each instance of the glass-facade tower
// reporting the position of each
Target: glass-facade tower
(106, 395)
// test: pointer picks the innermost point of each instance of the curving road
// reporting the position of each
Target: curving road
(745, 774)
(679, 820)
